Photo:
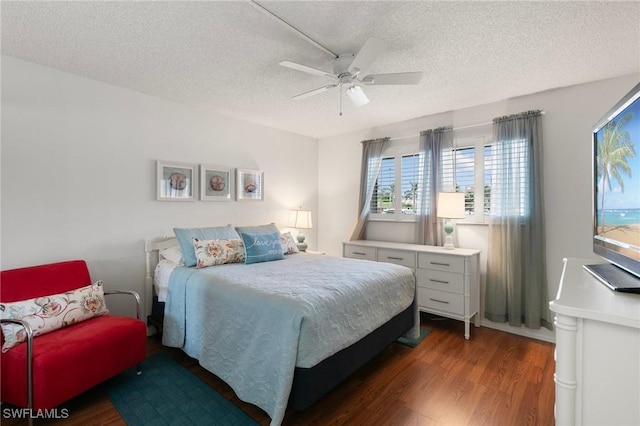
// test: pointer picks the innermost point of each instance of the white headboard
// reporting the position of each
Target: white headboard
(151, 249)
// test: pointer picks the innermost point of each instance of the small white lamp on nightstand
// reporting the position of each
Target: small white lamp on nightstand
(450, 206)
(300, 219)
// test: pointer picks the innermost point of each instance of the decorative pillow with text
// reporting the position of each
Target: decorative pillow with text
(261, 243)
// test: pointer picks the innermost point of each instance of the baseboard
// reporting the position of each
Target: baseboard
(540, 334)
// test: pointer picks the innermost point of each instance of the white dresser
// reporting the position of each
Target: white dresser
(597, 351)
(448, 281)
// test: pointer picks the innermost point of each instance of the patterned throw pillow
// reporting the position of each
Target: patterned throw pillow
(48, 313)
(289, 245)
(185, 239)
(217, 252)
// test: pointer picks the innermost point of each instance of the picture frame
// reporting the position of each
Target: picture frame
(249, 185)
(216, 183)
(176, 181)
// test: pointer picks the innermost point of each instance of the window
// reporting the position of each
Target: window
(383, 200)
(483, 171)
(395, 193)
(459, 174)
(506, 178)
(463, 170)
(476, 166)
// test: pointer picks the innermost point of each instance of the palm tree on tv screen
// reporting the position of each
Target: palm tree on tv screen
(613, 151)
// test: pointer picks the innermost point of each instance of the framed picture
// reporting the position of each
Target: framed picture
(176, 181)
(216, 183)
(249, 185)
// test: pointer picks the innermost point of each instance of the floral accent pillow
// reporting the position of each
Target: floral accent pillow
(289, 245)
(185, 239)
(218, 252)
(48, 313)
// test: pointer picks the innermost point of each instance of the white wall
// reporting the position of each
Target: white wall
(570, 114)
(78, 171)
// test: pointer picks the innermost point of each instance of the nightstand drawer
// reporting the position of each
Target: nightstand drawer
(399, 257)
(441, 301)
(439, 280)
(441, 262)
(359, 252)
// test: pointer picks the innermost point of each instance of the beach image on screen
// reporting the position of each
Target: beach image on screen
(617, 200)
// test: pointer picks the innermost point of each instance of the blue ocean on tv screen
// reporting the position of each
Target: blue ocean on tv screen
(619, 217)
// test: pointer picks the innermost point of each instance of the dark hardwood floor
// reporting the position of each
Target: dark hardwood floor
(495, 378)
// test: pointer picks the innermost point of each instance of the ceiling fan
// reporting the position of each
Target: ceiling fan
(350, 70)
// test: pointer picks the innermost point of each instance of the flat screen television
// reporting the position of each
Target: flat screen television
(616, 194)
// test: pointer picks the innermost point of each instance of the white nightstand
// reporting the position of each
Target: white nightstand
(313, 252)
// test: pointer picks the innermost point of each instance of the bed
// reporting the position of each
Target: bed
(281, 333)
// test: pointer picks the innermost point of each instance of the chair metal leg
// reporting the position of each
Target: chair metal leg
(138, 369)
(29, 342)
(30, 375)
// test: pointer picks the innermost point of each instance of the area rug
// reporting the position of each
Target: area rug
(166, 393)
(414, 342)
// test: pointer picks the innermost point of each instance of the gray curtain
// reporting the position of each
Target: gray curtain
(432, 143)
(371, 163)
(516, 290)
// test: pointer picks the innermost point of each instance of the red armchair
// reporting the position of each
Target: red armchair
(45, 371)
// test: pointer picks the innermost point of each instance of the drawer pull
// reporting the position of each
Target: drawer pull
(359, 253)
(439, 301)
(440, 263)
(395, 258)
(438, 281)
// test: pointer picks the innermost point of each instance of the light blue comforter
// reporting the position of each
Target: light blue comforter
(251, 325)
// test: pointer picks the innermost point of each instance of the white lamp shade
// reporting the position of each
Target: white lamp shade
(451, 205)
(300, 219)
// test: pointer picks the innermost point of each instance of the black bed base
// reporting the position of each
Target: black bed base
(311, 384)
(156, 319)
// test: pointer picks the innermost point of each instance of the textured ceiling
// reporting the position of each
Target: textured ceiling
(224, 55)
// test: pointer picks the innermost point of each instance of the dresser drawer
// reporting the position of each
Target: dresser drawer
(441, 262)
(359, 252)
(441, 301)
(399, 257)
(439, 280)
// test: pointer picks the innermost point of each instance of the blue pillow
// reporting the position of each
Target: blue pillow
(185, 239)
(261, 243)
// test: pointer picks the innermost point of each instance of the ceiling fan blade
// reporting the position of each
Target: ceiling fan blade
(314, 91)
(357, 96)
(304, 68)
(394, 78)
(365, 57)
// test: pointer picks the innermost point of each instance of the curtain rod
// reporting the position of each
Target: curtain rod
(486, 123)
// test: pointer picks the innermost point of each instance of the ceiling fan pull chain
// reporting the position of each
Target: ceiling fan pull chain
(340, 95)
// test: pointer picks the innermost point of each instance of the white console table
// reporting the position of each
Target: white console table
(448, 281)
(597, 351)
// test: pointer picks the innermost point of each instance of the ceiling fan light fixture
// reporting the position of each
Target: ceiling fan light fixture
(357, 96)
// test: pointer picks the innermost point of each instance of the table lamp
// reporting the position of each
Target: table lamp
(450, 206)
(300, 219)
